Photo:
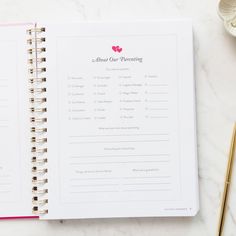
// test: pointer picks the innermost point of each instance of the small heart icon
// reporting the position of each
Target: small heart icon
(119, 49)
(114, 48)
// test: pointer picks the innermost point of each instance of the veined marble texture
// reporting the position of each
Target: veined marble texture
(215, 73)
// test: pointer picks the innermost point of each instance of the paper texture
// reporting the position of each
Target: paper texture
(121, 120)
(15, 166)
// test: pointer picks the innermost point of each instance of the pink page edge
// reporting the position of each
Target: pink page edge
(18, 217)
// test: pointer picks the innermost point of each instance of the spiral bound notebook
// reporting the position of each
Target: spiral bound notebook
(97, 120)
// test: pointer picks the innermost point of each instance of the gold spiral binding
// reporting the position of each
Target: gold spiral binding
(38, 70)
(38, 108)
(38, 191)
(39, 212)
(38, 60)
(36, 50)
(38, 40)
(38, 140)
(37, 80)
(38, 90)
(38, 100)
(38, 130)
(38, 120)
(35, 30)
(39, 181)
(36, 200)
(39, 160)
(39, 150)
(38, 171)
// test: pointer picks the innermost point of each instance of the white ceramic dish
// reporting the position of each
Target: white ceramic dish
(227, 12)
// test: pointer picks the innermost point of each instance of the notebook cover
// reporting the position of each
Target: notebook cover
(18, 217)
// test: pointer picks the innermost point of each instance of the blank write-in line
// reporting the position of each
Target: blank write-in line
(153, 101)
(125, 201)
(157, 85)
(148, 177)
(157, 109)
(147, 190)
(101, 178)
(117, 162)
(153, 93)
(131, 184)
(108, 185)
(158, 117)
(7, 191)
(133, 141)
(4, 86)
(116, 191)
(4, 176)
(94, 192)
(110, 156)
(112, 178)
(117, 135)
(93, 185)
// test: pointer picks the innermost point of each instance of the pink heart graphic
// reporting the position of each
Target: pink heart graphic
(119, 49)
(114, 48)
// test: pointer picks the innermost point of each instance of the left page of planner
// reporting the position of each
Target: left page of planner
(15, 169)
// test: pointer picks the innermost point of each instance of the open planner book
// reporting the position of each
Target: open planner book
(97, 120)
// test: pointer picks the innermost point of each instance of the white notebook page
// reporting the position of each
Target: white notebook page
(121, 127)
(15, 166)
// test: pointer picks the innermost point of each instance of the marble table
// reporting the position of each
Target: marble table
(215, 73)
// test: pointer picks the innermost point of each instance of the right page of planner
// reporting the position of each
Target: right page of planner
(121, 120)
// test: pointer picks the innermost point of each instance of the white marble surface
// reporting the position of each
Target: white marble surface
(215, 70)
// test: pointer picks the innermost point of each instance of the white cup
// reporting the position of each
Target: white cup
(227, 12)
